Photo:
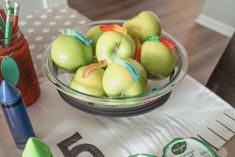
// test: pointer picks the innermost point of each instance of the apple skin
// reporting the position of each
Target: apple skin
(114, 43)
(158, 60)
(119, 83)
(94, 33)
(143, 25)
(69, 53)
(92, 84)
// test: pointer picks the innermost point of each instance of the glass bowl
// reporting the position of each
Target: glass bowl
(157, 94)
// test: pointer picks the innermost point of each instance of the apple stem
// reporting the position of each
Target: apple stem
(135, 74)
(117, 45)
(137, 49)
(78, 35)
(93, 66)
(113, 27)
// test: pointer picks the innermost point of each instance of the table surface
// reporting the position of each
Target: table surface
(37, 45)
(222, 82)
(222, 79)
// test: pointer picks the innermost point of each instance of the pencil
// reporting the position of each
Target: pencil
(16, 16)
(8, 28)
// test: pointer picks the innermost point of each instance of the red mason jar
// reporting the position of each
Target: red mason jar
(18, 49)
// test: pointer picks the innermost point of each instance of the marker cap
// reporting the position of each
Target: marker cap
(8, 93)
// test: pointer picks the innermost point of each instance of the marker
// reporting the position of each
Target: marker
(8, 28)
(16, 16)
(36, 148)
(15, 113)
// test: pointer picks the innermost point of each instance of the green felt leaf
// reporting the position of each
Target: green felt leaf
(10, 70)
(36, 148)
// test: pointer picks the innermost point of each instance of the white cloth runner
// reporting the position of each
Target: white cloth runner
(192, 110)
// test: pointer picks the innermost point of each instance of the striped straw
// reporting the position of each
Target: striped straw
(3, 14)
(16, 16)
(2, 25)
(8, 3)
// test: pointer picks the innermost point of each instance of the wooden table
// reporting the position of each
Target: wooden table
(222, 79)
(222, 82)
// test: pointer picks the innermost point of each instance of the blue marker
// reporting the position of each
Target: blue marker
(16, 115)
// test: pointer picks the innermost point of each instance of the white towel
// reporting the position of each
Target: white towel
(192, 110)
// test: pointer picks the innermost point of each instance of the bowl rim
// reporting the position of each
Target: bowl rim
(130, 101)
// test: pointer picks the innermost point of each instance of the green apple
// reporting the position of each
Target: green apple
(91, 84)
(94, 33)
(113, 43)
(69, 53)
(118, 80)
(158, 60)
(143, 25)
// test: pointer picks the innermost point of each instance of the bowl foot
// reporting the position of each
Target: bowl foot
(114, 112)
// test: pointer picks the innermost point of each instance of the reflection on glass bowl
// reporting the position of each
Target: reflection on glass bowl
(156, 94)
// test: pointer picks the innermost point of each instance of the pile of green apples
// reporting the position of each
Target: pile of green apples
(120, 59)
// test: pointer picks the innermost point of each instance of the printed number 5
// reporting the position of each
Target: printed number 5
(75, 151)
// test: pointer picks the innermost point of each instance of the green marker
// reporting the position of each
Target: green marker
(36, 148)
(8, 28)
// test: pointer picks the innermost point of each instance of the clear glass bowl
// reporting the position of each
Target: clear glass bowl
(157, 94)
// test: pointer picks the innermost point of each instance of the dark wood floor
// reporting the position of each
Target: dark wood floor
(204, 46)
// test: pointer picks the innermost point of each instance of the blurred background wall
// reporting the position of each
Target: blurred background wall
(218, 15)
